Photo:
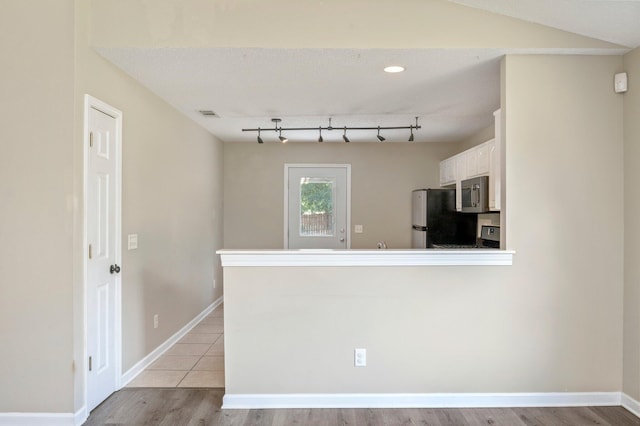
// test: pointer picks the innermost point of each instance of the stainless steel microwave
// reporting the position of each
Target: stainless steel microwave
(475, 195)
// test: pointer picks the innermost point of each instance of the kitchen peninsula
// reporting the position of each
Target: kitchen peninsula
(294, 317)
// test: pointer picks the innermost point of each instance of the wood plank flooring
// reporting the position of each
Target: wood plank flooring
(145, 406)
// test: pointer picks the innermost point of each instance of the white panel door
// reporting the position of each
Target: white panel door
(102, 258)
(317, 206)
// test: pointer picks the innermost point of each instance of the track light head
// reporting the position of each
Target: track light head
(380, 138)
(344, 136)
(282, 138)
(411, 136)
(259, 138)
(320, 137)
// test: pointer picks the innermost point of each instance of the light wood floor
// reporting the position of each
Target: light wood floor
(202, 407)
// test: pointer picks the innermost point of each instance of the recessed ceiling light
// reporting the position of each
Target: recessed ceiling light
(394, 68)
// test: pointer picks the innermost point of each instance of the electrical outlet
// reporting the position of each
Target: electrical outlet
(155, 321)
(358, 229)
(360, 357)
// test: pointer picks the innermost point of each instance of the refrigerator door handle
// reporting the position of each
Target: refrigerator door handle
(419, 228)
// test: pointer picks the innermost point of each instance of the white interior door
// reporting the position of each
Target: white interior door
(103, 255)
(317, 206)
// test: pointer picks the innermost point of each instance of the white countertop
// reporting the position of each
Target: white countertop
(388, 257)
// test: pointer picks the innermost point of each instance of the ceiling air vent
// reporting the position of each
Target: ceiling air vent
(208, 113)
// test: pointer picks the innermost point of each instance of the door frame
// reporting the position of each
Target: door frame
(93, 103)
(288, 166)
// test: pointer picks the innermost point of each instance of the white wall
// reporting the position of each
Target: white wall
(632, 227)
(551, 322)
(382, 174)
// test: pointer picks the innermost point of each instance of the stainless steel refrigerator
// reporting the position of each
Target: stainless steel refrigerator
(434, 219)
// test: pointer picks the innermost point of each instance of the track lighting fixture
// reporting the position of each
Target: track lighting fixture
(416, 126)
(278, 129)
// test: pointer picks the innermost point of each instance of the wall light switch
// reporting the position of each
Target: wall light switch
(359, 229)
(132, 241)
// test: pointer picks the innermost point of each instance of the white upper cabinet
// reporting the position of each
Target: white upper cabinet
(495, 165)
(472, 161)
(461, 163)
(477, 160)
(448, 172)
(481, 160)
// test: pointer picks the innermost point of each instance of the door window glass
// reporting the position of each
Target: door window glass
(316, 206)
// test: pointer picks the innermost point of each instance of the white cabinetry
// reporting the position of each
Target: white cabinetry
(481, 160)
(472, 161)
(461, 163)
(495, 165)
(477, 160)
(448, 172)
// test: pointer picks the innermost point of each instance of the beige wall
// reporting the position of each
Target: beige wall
(554, 317)
(477, 138)
(382, 175)
(291, 23)
(552, 322)
(36, 216)
(632, 227)
(172, 198)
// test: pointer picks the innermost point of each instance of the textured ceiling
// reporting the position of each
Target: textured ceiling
(453, 91)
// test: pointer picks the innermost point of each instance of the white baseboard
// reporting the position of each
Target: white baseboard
(80, 416)
(156, 353)
(631, 404)
(430, 400)
(49, 419)
(37, 419)
(451, 400)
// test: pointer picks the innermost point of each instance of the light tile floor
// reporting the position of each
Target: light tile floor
(196, 361)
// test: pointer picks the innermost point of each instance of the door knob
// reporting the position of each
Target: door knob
(342, 239)
(114, 269)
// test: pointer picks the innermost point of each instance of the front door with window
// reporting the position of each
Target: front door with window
(317, 206)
